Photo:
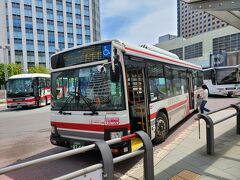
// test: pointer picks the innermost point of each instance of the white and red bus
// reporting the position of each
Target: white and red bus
(25, 90)
(223, 80)
(112, 89)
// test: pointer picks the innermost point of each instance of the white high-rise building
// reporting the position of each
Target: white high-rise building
(35, 29)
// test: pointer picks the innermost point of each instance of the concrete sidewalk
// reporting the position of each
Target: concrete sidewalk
(185, 158)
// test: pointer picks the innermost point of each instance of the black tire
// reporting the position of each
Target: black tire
(161, 130)
(229, 95)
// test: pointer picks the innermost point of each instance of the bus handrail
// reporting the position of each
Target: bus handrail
(210, 125)
(104, 148)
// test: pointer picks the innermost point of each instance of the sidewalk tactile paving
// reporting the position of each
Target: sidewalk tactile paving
(186, 175)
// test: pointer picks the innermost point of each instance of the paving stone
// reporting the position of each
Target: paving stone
(223, 164)
(233, 171)
(162, 176)
(218, 173)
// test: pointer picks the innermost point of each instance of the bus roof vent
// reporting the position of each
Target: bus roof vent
(159, 50)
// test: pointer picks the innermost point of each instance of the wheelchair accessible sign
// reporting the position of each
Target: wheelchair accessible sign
(106, 50)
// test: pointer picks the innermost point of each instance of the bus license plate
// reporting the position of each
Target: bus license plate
(76, 145)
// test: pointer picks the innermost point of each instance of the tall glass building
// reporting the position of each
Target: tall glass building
(35, 29)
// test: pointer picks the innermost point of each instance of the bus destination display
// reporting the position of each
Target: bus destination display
(82, 55)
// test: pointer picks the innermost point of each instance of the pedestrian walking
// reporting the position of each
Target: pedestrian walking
(204, 98)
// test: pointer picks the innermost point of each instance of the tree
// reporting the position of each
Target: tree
(38, 69)
(13, 69)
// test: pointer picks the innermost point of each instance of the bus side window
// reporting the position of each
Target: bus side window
(42, 83)
(169, 81)
(157, 82)
(184, 83)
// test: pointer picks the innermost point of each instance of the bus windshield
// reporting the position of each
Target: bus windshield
(19, 87)
(93, 83)
(227, 76)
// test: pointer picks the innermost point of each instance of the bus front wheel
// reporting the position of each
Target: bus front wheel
(161, 128)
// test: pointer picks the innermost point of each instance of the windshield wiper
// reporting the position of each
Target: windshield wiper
(65, 103)
(86, 100)
(88, 103)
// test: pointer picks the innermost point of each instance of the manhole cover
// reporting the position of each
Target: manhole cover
(185, 175)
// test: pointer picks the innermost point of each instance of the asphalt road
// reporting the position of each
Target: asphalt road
(24, 135)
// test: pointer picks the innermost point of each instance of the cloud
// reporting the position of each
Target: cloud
(138, 21)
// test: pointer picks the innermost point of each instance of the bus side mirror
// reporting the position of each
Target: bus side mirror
(115, 71)
(115, 76)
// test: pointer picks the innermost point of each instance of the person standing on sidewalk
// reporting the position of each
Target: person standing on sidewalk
(204, 99)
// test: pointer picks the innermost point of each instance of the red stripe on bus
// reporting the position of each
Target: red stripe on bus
(174, 106)
(153, 55)
(169, 108)
(88, 127)
(153, 115)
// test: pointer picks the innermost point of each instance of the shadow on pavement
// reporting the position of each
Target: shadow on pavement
(199, 161)
(55, 168)
(20, 109)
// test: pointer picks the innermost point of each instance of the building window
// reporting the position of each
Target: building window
(78, 19)
(68, 7)
(69, 18)
(86, 11)
(79, 29)
(39, 13)
(192, 51)
(87, 39)
(40, 35)
(77, 9)
(28, 10)
(39, 3)
(50, 14)
(49, 4)
(61, 37)
(60, 27)
(228, 43)
(51, 37)
(69, 28)
(59, 15)
(50, 25)
(30, 46)
(178, 52)
(86, 2)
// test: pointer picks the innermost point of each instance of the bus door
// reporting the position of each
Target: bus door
(137, 99)
(190, 90)
(35, 85)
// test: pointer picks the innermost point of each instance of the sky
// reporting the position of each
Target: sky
(138, 21)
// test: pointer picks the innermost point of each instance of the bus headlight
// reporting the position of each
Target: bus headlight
(54, 130)
(114, 135)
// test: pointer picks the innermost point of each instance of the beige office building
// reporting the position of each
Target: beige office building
(199, 48)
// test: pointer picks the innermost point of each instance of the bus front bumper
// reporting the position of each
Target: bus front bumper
(58, 140)
(20, 104)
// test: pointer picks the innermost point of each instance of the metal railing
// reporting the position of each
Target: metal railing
(108, 160)
(210, 125)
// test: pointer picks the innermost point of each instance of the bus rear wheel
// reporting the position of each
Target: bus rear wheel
(161, 128)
